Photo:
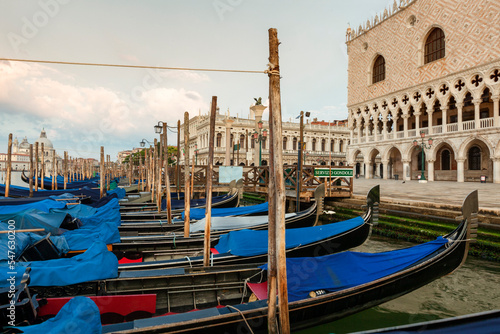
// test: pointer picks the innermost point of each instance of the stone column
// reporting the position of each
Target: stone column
(444, 110)
(367, 129)
(477, 121)
(430, 112)
(385, 167)
(375, 129)
(377, 169)
(430, 170)
(417, 123)
(460, 106)
(496, 170)
(384, 128)
(257, 110)
(359, 133)
(406, 170)
(496, 112)
(460, 170)
(405, 125)
(227, 158)
(368, 170)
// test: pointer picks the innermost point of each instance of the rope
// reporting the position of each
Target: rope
(243, 316)
(130, 66)
(187, 257)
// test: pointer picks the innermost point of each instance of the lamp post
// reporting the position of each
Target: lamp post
(423, 146)
(259, 137)
(143, 142)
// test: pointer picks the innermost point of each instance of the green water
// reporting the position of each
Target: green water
(474, 287)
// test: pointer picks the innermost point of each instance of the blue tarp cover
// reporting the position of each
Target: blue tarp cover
(79, 315)
(120, 192)
(96, 263)
(348, 269)
(198, 214)
(250, 242)
(33, 218)
(44, 205)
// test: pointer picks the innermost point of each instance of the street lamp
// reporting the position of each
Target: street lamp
(423, 146)
(259, 137)
(143, 142)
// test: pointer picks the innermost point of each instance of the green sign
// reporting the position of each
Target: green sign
(336, 172)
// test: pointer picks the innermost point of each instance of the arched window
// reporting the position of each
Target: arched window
(323, 145)
(341, 144)
(378, 73)
(434, 46)
(294, 143)
(475, 158)
(252, 141)
(313, 145)
(218, 143)
(284, 143)
(242, 141)
(332, 145)
(445, 160)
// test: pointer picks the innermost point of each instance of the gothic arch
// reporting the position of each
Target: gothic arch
(371, 64)
(462, 151)
(438, 144)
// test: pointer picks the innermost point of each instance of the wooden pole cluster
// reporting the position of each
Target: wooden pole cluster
(208, 194)
(153, 170)
(101, 173)
(31, 170)
(159, 165)
(187, 197)
(108, 172)
(141, 172)
(277, 188)
(8, 169)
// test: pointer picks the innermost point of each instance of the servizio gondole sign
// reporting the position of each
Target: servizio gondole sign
(336, 172)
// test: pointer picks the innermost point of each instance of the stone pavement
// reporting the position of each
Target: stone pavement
(437, 192)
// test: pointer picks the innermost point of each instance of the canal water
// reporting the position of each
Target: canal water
(474, 287)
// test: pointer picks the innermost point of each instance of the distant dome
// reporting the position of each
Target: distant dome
(43, 139)
(24, 144)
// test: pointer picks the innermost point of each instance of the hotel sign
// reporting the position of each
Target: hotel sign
(336, 172)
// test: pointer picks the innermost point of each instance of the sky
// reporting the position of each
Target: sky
(84, 107)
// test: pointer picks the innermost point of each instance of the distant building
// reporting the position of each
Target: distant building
(325, 143)
(433, 68)
(20, 154)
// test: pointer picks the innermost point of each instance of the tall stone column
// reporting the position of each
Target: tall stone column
(405, 125)
(430, 170)
(496, 111)
(375, 130)
(477, 121)
(417, 123)
(444, 110)
(406, 170)
(227, 158)
(385, 169)
(257, 110)
(496, 170)
(368, 170)
(460, 170)
(359, 132)
(384, 128)
(460, 106)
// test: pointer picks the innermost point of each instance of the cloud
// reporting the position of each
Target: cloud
(330, 113)
(87, 117)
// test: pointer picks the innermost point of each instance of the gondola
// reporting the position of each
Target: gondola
(144, 212)
(308, 217)
(307, 241)
(242, 306)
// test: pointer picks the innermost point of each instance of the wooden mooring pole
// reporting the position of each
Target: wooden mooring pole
(187, 196)
(36, 166)
(8, 167)
(31, 170)
(42, 172)
(279, 185)
(167, 177)
(178, 185)
(54, 175)
(65, 169)
(208, 194)
(101, 173)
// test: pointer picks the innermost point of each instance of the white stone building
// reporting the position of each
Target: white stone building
(433, 67)
(325, 142)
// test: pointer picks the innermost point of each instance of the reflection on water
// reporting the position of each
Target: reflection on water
(472, 288)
